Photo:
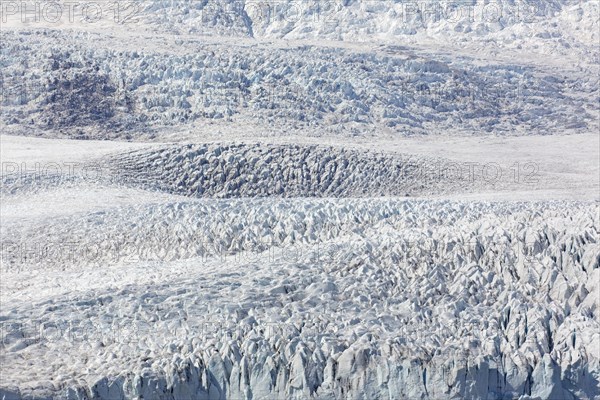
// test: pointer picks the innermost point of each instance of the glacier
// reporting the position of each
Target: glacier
(347, 199)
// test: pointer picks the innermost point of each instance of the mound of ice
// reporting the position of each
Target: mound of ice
(251, 170)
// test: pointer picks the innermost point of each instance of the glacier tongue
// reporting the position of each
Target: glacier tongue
(375, 303)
